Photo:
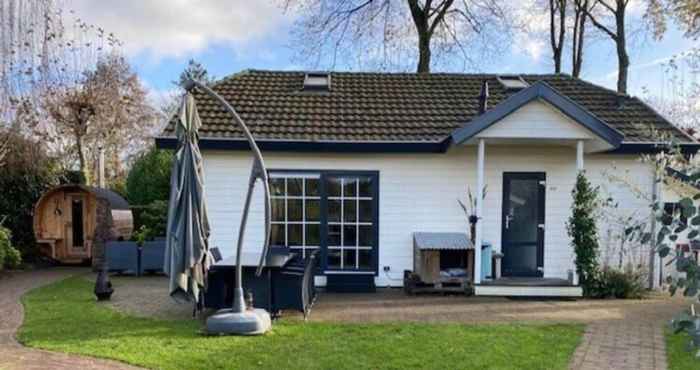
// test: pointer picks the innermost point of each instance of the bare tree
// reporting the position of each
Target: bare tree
(390, 32)
(616, 10)
(42, 45)
(679, 102)
(107, 108)
(557, 30)
(685, 12)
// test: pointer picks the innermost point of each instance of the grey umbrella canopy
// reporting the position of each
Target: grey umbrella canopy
(187, 256)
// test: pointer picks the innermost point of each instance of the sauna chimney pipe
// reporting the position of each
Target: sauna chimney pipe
(484, 97)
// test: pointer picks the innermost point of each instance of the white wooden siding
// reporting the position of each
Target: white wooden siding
(418, 192)
(537, 120)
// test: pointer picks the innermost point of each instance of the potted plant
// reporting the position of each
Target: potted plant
(470, 211)
(141, 236)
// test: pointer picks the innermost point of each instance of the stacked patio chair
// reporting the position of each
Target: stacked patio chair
(295, 288)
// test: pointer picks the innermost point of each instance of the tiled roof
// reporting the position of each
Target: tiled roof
(393, 107)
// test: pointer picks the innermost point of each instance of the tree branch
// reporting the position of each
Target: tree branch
(599, 25)
(441, 14)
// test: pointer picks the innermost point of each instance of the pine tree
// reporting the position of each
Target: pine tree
(195, 70)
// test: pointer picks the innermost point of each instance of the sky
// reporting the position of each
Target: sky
(227, 36)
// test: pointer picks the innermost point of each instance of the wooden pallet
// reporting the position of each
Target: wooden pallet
(412, 285)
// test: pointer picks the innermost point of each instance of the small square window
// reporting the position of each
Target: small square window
(318, 81)
(512, 82)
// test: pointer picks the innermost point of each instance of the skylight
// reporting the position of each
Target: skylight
(317, 81)
(512, 82)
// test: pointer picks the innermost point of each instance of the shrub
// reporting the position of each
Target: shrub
(612, 283)
(153, 216)
(27, 172)
(149, 177)
(9, 256)
(13, 258)
(583, 232)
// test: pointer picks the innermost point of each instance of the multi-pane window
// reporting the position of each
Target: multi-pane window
(296, 211)
(350, 222)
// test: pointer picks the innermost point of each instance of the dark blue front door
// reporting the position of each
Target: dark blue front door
(522, 232)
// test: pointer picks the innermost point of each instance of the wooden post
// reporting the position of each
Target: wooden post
(479, 208)
(101, 167)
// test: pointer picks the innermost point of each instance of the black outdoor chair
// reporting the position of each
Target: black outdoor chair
(295, 284)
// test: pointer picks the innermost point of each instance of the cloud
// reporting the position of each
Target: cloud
(174, 28)
(532, 24)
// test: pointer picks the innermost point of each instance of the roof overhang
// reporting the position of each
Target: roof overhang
(543, 91)
(169, 142)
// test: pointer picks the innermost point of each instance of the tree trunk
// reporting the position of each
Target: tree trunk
(82, 160)
(623, 60)
(423, 53)
(557, 38)
(578, 37)
(420, 19)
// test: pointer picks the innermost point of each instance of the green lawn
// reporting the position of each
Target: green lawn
(679, 358)
(64, 317)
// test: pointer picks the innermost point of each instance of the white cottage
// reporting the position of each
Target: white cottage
(359, 162)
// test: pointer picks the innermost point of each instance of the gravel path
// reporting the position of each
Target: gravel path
(15, 356)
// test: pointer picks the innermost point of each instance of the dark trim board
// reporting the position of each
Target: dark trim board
(370, 147)
(539, 90)
(313, 146)
(650, 148)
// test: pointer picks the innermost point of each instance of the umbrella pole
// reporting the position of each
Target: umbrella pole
(239, 319)
(238, 297)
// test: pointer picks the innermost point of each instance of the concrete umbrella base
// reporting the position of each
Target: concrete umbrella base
(249, 322)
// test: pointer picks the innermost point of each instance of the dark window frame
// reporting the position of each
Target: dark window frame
(323, 175)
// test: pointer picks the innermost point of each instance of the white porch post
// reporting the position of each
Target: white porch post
(479, 208)
(579, 156)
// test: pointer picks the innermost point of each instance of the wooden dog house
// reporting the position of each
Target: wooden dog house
(66, 218)
(442, 262)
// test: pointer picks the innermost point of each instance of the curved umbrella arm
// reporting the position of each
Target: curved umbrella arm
(259, 171)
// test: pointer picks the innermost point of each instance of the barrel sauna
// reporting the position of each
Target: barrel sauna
(66, 219)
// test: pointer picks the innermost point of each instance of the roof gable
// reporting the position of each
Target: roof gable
(539, 90)
(537, 120)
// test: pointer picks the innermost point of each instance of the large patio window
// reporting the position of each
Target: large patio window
(296, 211)
(333, 211)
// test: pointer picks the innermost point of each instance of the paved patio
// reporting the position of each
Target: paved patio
(620, 334)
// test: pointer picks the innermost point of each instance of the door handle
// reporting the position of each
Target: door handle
(509, 218)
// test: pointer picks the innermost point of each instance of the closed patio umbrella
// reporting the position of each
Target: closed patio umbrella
(239, 319)
(186, 247)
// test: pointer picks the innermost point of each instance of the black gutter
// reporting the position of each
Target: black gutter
(313, 146)
(651, 148)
